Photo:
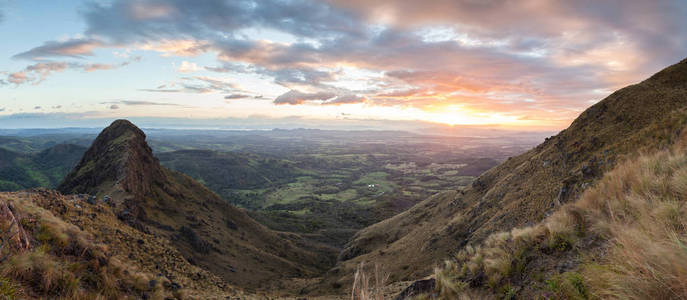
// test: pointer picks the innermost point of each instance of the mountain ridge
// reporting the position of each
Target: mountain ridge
(526, 188)
(119, 153)
(209, 232)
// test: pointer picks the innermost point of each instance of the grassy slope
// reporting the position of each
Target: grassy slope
(526, 188)
(624, 239)
(204, 228)
(237, 248)
(82, 251)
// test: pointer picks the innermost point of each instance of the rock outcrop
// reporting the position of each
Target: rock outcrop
(209, 232)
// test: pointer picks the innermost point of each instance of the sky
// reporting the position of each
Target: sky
(528, 64)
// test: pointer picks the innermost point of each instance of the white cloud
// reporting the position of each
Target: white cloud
(188, 67)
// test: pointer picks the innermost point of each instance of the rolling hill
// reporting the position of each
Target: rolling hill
(226, 171)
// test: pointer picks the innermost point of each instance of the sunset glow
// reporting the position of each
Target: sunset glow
(538, 63)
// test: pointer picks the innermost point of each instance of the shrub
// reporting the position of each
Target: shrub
(7, 289)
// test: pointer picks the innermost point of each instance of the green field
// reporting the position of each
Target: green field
(323, 184)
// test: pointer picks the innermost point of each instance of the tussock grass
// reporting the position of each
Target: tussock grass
(63, 262)
(362, 286)
(625, 238)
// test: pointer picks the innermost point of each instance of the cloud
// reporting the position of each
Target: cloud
(345, 99)
(400, 93)
(180, 47)
(294, 97)
(188, 67)
(17, 78)
(2, 13)
(123, 22)
(148, 103)
(531, 58)
(38, 72)
(137, 103)
(161, 90)
(2, 109)
(198, 85)
(114, 106)
(237, 96)
(75, 48)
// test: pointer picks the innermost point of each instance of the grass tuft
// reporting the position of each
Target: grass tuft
(65, 263)
(362, 289)
(626, 238)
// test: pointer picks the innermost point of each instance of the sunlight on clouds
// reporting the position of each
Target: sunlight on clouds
(176, 47)
(354, 78)
(188, 67)
(272, 36)
(456, 114)
(449, 115)
(517, 63)
(617, 54)
(437, 34)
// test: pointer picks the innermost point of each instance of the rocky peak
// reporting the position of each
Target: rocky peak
(118, 158)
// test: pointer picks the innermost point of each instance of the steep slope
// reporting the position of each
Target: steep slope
(67, 248)
(204, 228)
(56, 162)
(43, 169)
(624, 239)
(526, 188)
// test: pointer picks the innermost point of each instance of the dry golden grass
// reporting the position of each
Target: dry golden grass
(64, 262)
(362, 287)
(647, 116)
(626, 238)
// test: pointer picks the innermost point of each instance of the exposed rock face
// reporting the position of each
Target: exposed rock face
(14, 236)
(417, 288)
(526, 188)
(119, 155)
(208, 231)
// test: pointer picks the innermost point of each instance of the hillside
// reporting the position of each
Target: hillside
(341, 183)
(226, 171)
(624, 239)
(526, 188)
(66, 248)
(41, 169)
(206, 230)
